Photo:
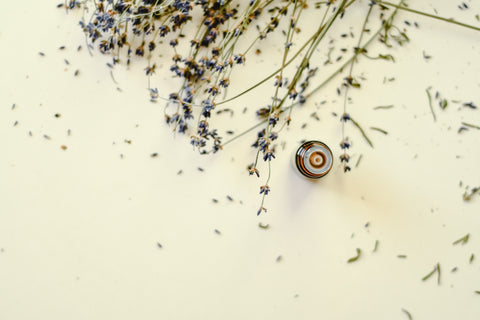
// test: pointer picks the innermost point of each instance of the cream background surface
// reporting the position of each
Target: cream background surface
(79, 227)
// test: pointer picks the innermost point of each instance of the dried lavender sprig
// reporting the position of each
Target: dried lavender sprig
(324, 82)
(266, 136)
(224, 73)
(268, 153)
(350, 83)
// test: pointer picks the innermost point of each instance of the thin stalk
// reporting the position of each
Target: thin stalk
(312, 38)
(325, 82)
(449, 20)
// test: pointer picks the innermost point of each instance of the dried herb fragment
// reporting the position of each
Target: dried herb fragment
(443, 104)
(467, 196)
(407, 314)
(355, 123)
(430, 103)
(426, 56)
(436, 270)
(353, 259)
(470, 125)
(430, 274)
(263, 226)
(379, 130)
(358, 162)
(384, 107)
(469, 105)
(463, 240)
(375, 248)
(387, 57)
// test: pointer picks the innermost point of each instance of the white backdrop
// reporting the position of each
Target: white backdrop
(80, 228)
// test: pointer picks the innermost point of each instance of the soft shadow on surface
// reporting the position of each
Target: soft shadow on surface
(374, 189)
(298, 189)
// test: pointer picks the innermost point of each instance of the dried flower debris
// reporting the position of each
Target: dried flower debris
(204, 60)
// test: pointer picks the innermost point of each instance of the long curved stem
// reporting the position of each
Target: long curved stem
(449, 20)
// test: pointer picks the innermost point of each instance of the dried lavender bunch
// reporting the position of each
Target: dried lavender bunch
(206, 39)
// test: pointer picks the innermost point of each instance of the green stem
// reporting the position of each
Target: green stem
(322, 29)
(362, 132)
(321, 85)
(449, 20)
